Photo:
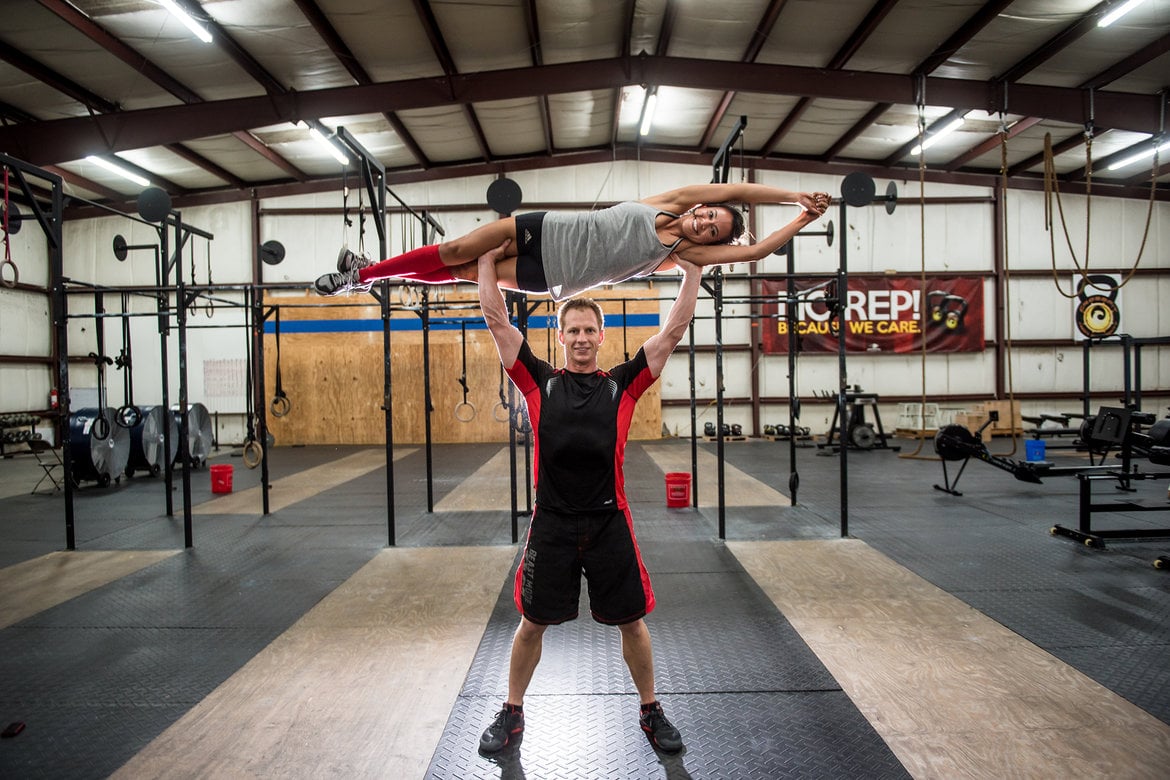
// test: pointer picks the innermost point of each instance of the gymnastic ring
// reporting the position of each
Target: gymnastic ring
(500, 406)
(409, 296)
(9, 283)
(100, 427)
(281, 406)
(463, 416)
(128, 416)
(253, 453)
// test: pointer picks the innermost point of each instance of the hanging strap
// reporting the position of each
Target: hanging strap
(209, 307)
(7, 263)
(253, 453)
(501, 405)
(129, 415)
(280, 403)
(464, 410)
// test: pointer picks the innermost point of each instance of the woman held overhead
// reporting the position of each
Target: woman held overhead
(563, 254)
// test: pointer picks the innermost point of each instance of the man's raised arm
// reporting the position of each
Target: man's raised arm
(507, 336)
(659, 346)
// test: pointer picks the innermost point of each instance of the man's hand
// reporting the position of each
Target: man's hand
(686, 267)
(487, 262)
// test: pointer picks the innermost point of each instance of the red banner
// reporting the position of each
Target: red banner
(881, 315)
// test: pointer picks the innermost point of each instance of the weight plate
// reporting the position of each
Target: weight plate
(504, 196)
(858, 189)
(271, 252)
(154, 204)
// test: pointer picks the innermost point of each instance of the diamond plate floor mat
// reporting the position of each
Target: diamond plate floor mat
(749, 696)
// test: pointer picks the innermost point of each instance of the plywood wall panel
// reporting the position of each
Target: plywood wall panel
(334, 378)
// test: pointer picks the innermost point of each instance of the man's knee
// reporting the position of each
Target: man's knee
(528, 631)
(635, 630)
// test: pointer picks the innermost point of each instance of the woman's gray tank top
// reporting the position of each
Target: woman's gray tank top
(588, 249)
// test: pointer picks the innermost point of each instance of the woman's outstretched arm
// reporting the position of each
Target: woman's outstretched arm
(724, 254)
(683, 198)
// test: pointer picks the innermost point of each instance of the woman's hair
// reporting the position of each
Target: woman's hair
(738, 227)
(580, 303)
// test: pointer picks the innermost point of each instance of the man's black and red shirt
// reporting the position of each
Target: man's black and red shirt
(580, 422)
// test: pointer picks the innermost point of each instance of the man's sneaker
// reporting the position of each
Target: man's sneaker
(506, 729)
(338, 282)
(349, 261)
(659, 730)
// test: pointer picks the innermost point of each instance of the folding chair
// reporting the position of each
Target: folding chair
(47, 459)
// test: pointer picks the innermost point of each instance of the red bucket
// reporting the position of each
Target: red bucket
(678, 489)
(221, 478)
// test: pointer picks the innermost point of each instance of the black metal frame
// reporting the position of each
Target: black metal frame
(50, 221)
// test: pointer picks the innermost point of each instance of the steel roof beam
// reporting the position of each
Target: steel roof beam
(67, 139)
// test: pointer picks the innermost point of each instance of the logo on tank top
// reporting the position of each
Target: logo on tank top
(527, 236)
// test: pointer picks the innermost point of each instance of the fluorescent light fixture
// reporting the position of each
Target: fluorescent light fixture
(198, 30)
(118, 169)
(1134, 158)
(932, 139)
(1118, 12)
(336, 153)
(648, 113)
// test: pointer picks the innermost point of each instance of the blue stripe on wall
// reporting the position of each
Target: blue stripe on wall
(446, 323)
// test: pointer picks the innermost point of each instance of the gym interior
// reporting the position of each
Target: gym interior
(903, 491)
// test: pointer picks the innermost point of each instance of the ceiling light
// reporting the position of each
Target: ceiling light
(648, 113)
(114, 168)
(933, 138)
(1133, 158)
(1119, 12)
(195, 27)
(329, 145)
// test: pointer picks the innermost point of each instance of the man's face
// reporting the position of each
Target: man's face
(581, 335)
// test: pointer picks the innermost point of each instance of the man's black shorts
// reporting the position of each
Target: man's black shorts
(563, 547)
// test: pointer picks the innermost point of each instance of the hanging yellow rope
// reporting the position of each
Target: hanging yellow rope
(1007, 279)
(1052, 188)
(922, 280)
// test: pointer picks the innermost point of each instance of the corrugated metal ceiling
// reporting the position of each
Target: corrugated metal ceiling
(827, 87)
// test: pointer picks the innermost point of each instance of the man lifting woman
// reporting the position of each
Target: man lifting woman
(563, 254)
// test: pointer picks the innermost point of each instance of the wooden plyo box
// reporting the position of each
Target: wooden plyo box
(1009, 423)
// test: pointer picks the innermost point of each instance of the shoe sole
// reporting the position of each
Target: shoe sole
(514, 738)
(654, 743)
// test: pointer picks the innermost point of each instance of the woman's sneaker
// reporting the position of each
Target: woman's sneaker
(350, 261)
(338, 282)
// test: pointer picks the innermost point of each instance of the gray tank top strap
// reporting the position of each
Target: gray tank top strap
(678, 240)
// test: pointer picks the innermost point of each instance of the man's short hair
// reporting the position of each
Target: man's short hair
(580, 303)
